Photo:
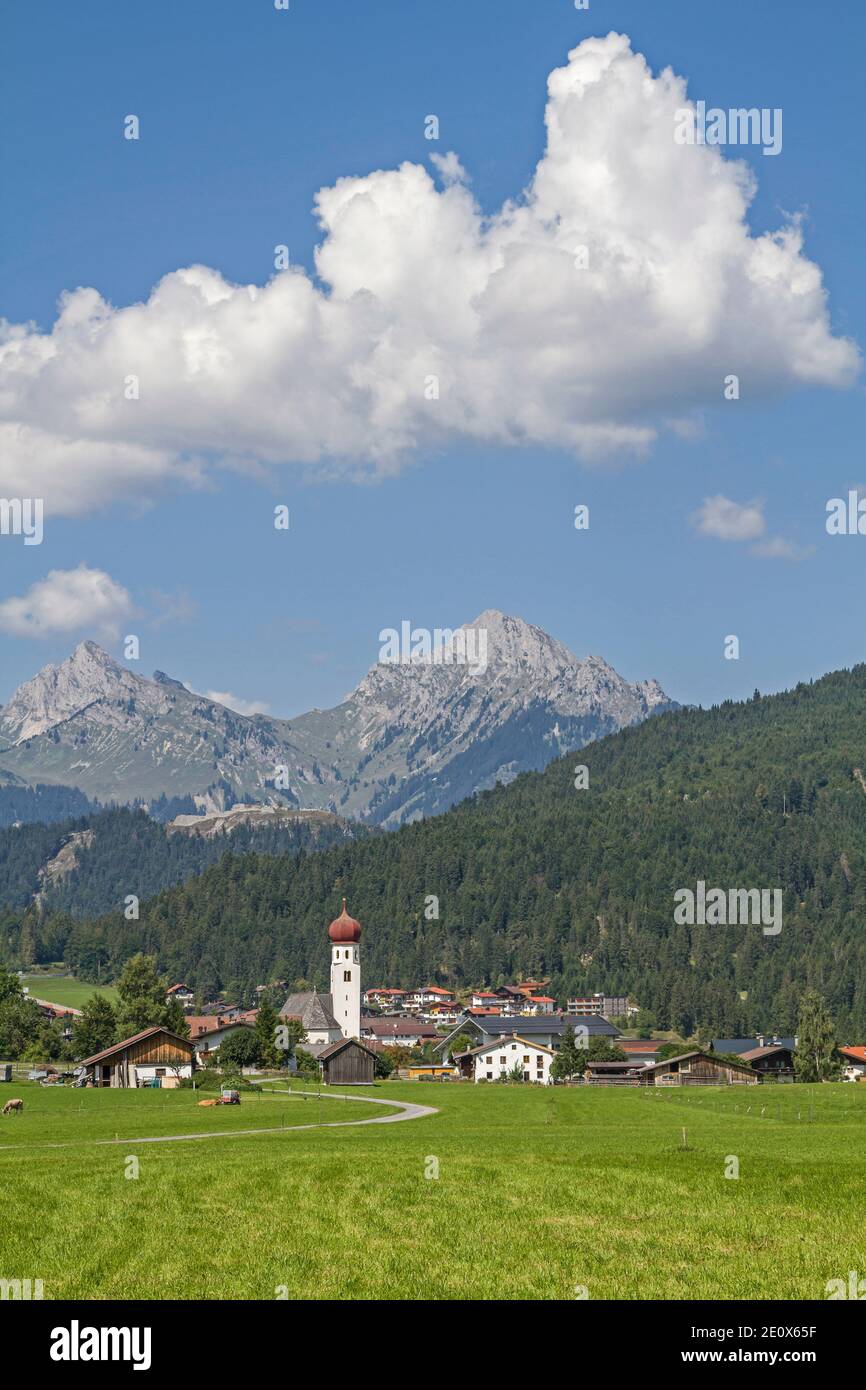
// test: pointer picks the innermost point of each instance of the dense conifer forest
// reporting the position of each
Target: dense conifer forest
(540, 878)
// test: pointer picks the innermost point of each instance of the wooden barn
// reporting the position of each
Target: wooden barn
(698, 1069)
(155, 1054)
(347, 1063)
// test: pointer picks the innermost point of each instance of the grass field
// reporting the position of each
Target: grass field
(539, 1192)
(62, 990)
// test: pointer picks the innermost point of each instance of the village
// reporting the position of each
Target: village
(516, 1033)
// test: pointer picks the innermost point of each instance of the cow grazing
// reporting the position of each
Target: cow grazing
(13, 1107)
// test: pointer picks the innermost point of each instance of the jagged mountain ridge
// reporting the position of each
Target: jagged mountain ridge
(410, 740)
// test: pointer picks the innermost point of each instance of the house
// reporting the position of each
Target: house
(774, 1062)
(347, 1063)
(498, 1059)
(699, 1069)
(57, 1013)
(441, 1013)
(430, 994)
(485, 999)
(381, 997)
(398, 1032)
(315, 1013)
(541, 1003)
(639, 1049)
(153, 1054)
(206, 1041)
(853, 1063)
(737, 1046)
(546, 1029)
(182, 993)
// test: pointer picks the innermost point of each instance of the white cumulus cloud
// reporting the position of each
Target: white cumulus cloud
(730, 521)
(233, 702)
(67, 601)
(532, 341)
(726, 520)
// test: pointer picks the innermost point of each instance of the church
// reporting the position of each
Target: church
(330, 1020)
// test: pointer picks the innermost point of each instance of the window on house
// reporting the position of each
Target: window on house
(490, 1076)
(502, 1061)
(526, 1057)
(347, 976)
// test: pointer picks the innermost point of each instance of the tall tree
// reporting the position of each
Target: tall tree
(95, 1028)
(267, 1023)
(142, 1001)
(815, 1056)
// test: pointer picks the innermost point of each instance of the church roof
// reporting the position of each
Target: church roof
(316, 1011)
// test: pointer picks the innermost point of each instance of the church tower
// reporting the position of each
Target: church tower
(345, 933)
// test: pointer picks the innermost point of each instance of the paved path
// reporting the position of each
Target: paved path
(406, 1110)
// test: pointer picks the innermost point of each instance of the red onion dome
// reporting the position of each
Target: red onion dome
(344, 928)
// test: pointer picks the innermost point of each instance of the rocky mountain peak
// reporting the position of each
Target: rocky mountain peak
(57, 692)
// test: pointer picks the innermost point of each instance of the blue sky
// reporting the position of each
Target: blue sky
(245, 114)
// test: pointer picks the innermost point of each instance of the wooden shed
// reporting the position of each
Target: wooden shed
(347, 1063)
(153, 1055)
(699, 1069)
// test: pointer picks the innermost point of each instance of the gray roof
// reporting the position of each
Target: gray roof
(533, 1025)
(740, 1045)
(595, 1025)
(316, 1011)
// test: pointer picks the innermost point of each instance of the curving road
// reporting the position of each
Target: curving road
(406, 1110)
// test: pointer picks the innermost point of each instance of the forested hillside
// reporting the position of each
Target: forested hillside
(539, 877)
(21, 804)
(124, 851)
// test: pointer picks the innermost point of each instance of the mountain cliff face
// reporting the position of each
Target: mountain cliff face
(410, 740)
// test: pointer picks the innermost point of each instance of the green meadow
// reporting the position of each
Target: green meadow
(65, 991)
(507, 1192)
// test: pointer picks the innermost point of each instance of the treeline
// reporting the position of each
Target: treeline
(541, 878)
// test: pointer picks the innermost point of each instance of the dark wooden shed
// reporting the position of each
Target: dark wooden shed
(347, 1063)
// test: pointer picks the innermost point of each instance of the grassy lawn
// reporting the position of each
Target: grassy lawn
(62, 990)
(539, 1191)
(65, 1115)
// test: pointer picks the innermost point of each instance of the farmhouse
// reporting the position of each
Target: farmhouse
(347, 1063)
(737, 1046)
(698, 1069)
(498, 1059)
(775, 1061)
(155, 1053)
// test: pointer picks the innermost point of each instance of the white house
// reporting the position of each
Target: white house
(493, 1060)
(854, 1063)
